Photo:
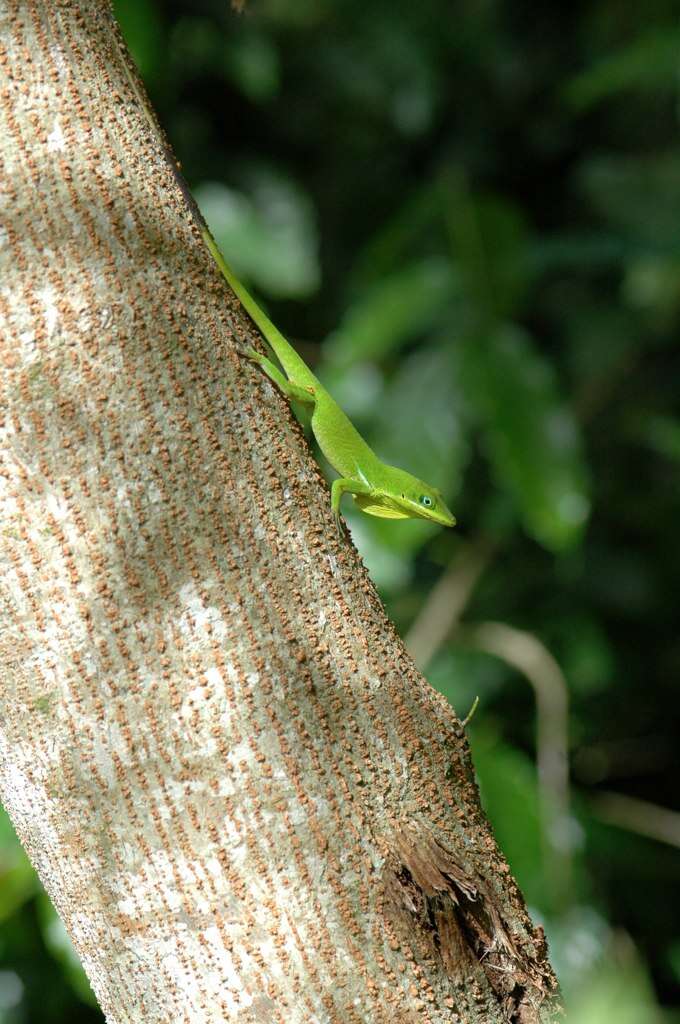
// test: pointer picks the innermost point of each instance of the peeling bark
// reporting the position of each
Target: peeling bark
(245, 802)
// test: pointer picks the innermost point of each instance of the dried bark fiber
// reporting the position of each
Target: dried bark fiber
(244, 801)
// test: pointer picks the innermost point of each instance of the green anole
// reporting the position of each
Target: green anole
(378, 489)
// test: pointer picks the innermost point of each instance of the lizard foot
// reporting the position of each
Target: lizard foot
(248, 353)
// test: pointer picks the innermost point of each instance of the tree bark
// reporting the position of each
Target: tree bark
(245, 802)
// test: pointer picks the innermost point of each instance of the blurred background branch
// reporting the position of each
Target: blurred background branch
(638, 816)
(446, 601)
(534, 661)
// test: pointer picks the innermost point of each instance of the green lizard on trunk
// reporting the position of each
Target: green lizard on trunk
(378, 489)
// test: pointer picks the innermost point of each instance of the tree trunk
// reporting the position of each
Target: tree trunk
(244, 801)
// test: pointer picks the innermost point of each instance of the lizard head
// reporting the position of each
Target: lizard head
(407, 498)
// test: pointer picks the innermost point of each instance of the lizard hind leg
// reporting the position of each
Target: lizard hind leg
(291, 390)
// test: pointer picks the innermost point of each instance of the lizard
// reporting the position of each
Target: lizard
(377, 488)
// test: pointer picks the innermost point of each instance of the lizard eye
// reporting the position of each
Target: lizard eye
(426, 500)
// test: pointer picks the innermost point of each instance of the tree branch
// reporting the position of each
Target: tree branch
(243, 799)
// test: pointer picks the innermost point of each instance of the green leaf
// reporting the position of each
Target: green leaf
(393, 312)
(252, 61)
(194, 42)
(651, 284)
(490, 245)
(649, 62)
(662, 433)
(577, 251)
(619, 989)
(638, 195)
(507, 783)
(141, 24)
(18, 880)
(59, 944)
(584, 652)
(603, 341)
(419, 425)
(461, 675)
(531, 437)
(268, 236)
(393, 242)
(673, 958)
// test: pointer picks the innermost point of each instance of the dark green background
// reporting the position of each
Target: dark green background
(466, 215)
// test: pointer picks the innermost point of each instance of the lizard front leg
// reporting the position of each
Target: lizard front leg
(345, 485)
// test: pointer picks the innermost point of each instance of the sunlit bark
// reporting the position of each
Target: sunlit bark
(243, 799)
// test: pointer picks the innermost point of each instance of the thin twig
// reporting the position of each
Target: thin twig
(470, 715)
(446, 601)
(528, 655)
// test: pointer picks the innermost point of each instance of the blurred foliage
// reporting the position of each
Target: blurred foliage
(474, 210)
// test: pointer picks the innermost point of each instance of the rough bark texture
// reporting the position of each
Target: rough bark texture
(244, 801)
